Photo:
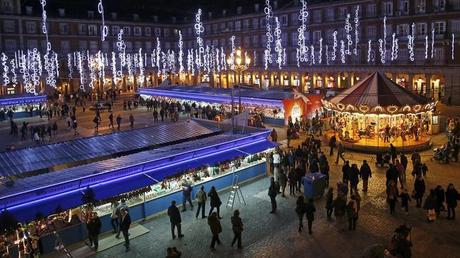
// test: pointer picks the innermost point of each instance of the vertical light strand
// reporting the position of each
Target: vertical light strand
(180, 55)
(355, 49)
(432, 43)
(278, 43)
(348, 29)
(104, 29)
(199, 29)
(269, 34)
(426, 46)
(301, 44)
(334, 46)
(452, 51)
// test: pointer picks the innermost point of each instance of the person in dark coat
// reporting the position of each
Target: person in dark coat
(440, 199)
(237, 227)
(354, 178)
(272, 192)
(392, 174)
(310, 210)
(186, 196)
(282, 180)
(215, 201)
(393, 153)
(405, 199)
(292, 178)
(429, 206)
(365, 173)
(392, 195)
(332, 143)
(124, 226)
(352, 213)
(403, 160)
(329, 202)
(175, 219)
(419, 190)
(451, 201)
(346, 172)
(300, 210)
(216, 229)
(94, 229)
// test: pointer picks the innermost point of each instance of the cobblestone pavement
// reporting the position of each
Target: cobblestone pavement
(267, 235)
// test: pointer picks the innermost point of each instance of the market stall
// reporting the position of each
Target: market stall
(376, 112)
(19, 106)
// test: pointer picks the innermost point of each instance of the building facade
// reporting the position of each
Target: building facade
(433, 73)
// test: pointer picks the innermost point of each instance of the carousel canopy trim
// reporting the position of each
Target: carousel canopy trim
(379, 95)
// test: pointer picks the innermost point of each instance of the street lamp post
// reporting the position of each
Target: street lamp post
(238, 62)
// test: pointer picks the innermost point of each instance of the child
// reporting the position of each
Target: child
(405, 199)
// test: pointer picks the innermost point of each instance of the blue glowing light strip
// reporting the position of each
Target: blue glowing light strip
(212, 98)
(22, 100)
(115, 180)
(30, 195)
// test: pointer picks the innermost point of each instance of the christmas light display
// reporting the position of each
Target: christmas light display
(320, 54)
(104, 28)
(14, 78)
(157, 59)
(334, 46)
(268, 50)
(355, 49)
(114, 67)
(312, 55)
(394, 47)
(199, 29)
(348, 29)
(69, 65)
(6, 78)
(382, 51)
(327, 54)
(432, 43)
(301, 44)
(452, 51)
(410, 43)
(278, 44)
(426, 46)
(383, 43)
(45, 26)
(180, 57)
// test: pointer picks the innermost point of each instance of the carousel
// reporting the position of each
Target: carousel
(377, 112)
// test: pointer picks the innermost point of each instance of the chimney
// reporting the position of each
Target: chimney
(173, 19)
(239, 10)
(210, 15)
(155, 18)
(224, 12)
(256, 8)
(275, 5)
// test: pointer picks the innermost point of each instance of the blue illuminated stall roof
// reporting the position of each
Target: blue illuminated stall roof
(273, 99)
(129, 172)
(84, 150)
(22, 100)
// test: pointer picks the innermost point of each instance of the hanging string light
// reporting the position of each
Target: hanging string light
(342, 51)
(6, 79)
(312, 55)
(383, 43)
(268, 49)
(394, 47)
(181, 53)
(69, 65)
(432, 43)
(157, 59)
(278, 43)
(104, 29)
(348, 29)
(327, 54)
(114, 67)
(452, 51)
(382, 51)
(320, 54)
(426, 46)
(355, 49)
(334, 46)
(410, 43)
(199, 29)
(44, 25)
(301, 44)
(14, 78)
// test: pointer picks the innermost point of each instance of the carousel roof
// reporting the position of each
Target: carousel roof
(378, 94)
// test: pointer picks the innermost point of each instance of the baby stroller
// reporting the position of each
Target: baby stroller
(442, 154)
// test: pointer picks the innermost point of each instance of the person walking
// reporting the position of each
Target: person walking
(131, 121)
(282, 179)
(124, 226)
(186, 196)
(405, 199)
(419, 190)
(451, 200)
(175, 219)
(114, 216)
(392, 195)
(216, 229)
(272, 192)
(352, 213)
(365, 173)
(329, 202)
(96, 121)
(332, 143)
(215, 201)
(310, 210)
(237, 227)
(440, 199)
(120, 207)
(118, 122)
(429, 206)
(292, 179)
(201, 200)
(300, 210)
(94, 229)
(340, 153)
(354, 178)
(111, 120)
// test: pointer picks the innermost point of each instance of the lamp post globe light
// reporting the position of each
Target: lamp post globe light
(238, 63)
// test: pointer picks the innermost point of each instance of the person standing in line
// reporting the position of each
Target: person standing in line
(329, 202)
(186, 195)
(201, 200)
(292, 182)
(310, 210)
(131, 121)
(282, 179)
(272, 192)
(118, 122)
(354, 178)
(392, 195)
(215, 201)
(365, 173)
(96, 121)
(114, 217)
(124, 226)
(216, 229)
(300, 210)
(94, 228)
(237, 227)
(120, 207)
(175, 219)
(451, 200)
(111, 120)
